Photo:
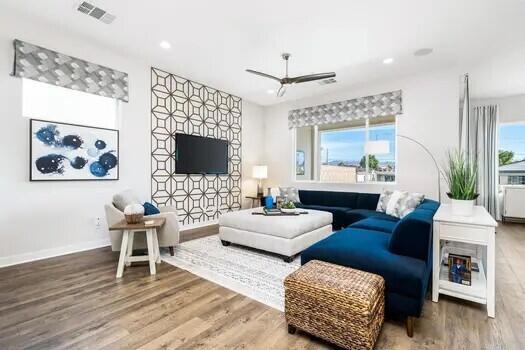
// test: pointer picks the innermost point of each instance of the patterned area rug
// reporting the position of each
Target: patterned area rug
(250, 272)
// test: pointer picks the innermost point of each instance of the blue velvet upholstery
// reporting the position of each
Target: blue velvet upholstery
(329, 198)
(403, 257)
(355, 215)
(409, 238)
(339, 213)
(367, 201)
(376, 224)
(368, 251)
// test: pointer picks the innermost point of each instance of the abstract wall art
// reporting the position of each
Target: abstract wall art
(60, 152)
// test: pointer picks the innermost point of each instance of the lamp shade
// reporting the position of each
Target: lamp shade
(260, 171)
(377, 147)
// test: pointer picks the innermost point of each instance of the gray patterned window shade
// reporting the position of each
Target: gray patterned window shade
(386, 104)
(37, 63)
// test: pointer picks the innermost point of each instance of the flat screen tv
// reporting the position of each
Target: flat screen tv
(200, 155)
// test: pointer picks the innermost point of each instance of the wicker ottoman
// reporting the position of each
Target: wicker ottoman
(336, 303)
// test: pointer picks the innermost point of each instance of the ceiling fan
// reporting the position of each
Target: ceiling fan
(286, 81)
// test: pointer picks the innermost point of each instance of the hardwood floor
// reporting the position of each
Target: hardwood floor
(75, 302)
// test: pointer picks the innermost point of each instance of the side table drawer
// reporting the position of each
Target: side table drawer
(463, 233)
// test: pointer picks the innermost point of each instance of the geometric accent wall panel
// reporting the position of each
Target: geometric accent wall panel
(180, 105)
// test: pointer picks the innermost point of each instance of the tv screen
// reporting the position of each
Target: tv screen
(200, 155)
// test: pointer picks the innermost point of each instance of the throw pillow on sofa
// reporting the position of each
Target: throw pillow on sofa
(150, 209)
(398, 203)
(290, 194)
(384, 198)
(409, 203)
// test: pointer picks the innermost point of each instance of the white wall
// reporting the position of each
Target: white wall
(41, 219)
(511, 108)
(430, 103)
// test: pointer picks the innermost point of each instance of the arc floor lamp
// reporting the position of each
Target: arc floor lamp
(382, 147)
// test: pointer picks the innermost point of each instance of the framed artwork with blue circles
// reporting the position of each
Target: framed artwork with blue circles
(69, 152)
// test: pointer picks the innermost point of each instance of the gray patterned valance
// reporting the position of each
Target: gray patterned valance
(37, 63)
(389, 103)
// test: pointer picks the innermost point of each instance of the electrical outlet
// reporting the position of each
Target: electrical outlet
(98, 223)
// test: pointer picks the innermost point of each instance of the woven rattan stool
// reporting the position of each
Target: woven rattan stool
(341, 305)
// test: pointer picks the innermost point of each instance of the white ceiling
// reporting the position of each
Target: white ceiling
(215, 41)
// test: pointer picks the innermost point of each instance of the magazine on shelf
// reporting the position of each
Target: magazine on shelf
(460, 269)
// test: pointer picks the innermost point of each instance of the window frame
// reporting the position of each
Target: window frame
(317, 158)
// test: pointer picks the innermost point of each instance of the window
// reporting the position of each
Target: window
(335, 153)
(516, 180)
(512, 154)
(54, 103)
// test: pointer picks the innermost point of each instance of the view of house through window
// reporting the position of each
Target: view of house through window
(512, 154)
(341, 156)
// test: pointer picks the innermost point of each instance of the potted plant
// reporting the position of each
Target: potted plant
(288, 207)
(462, 178)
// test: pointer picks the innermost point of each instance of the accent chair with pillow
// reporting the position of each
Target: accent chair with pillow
(168, 234)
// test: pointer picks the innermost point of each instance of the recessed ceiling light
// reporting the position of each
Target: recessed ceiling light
(423, 52)
(270, 91)
(165, 45)
(388, 60)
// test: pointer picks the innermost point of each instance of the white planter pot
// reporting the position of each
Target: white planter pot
(288, 210)
(462, 207)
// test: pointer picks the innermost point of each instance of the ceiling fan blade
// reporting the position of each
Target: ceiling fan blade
(263, 74)
(281, 91)
(311, 77)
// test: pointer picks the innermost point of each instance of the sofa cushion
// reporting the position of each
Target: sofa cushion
(289, 194)
(368, 251)
(329, 198)
(338, 213)
(412, 235)
(429, 205)
(355, 215)
(367, 201)
(376, 224)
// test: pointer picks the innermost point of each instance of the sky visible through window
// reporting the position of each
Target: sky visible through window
(348, 145)
(512, 138)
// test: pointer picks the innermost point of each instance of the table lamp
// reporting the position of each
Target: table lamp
(260, 172)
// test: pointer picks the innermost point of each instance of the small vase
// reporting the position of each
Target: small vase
(268, 202)
(462, 207)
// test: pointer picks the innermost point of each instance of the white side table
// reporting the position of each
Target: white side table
(478, 229)
(126, 248)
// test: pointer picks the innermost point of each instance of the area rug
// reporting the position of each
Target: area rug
(256, 274)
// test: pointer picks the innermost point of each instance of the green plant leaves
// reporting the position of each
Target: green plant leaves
(461, 176)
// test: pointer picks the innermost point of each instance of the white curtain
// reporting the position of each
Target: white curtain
(484, 149)
(478, 139)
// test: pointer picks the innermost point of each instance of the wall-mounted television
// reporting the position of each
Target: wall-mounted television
(200, 155)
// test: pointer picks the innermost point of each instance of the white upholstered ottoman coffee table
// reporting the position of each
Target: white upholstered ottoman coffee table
(283, 235)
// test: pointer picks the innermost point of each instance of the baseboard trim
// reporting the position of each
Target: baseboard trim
(198, 225)
(53, 252)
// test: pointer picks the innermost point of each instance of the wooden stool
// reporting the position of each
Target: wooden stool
(126, 248)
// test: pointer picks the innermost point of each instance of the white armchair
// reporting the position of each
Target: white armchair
(168, 234)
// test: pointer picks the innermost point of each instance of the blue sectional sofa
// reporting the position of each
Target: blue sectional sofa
(398, 250)
(346, 207)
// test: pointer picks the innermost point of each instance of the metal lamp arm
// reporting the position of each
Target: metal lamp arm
(440, 173)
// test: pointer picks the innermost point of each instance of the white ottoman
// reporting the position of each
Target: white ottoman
(283, 235)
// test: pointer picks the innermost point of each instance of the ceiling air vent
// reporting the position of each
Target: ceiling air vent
(327, 81)
(95, 12)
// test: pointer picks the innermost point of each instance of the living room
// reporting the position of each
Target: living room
(198, 125)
